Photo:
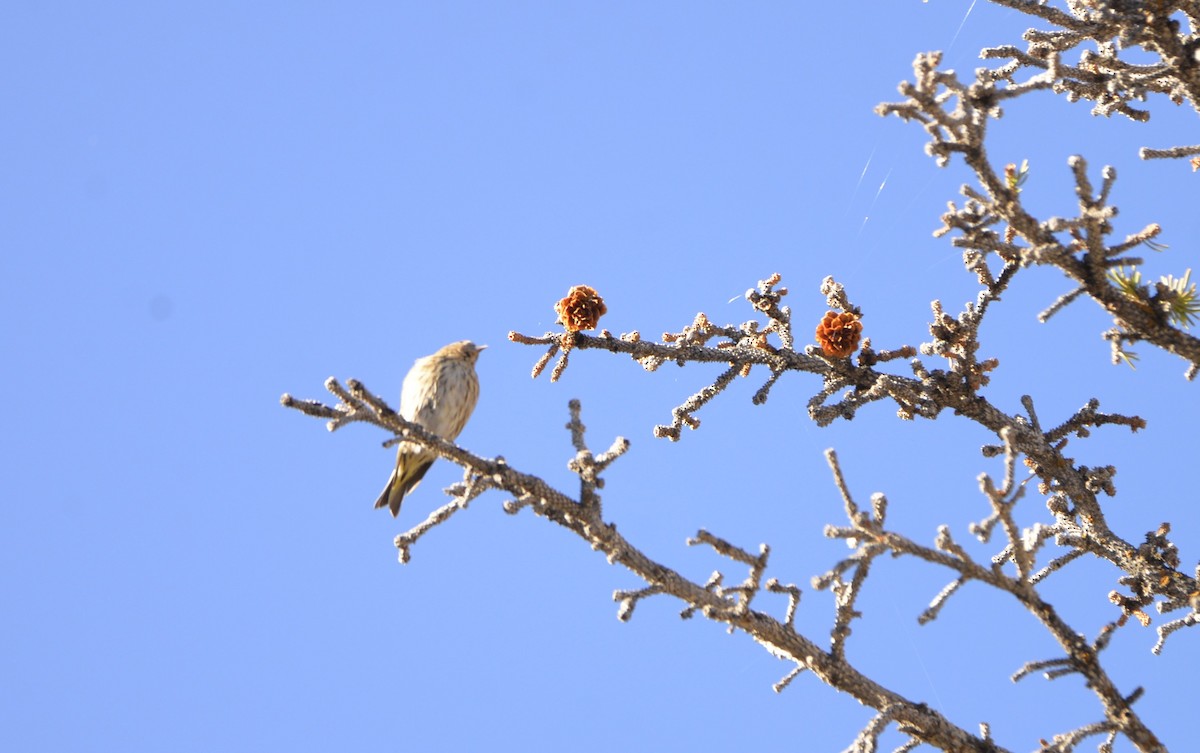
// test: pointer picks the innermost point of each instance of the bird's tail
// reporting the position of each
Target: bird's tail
(386, 495)
(396, 487)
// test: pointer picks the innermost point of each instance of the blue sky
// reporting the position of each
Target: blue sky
(209, 205)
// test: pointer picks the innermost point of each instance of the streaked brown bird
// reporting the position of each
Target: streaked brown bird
(439, 394)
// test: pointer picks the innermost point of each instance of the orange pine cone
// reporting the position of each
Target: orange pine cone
(581, 309)
(838, 334)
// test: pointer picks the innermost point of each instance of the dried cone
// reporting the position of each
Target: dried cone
(581, 309)
(838, 334)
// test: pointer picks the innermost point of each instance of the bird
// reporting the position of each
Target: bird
(439, 394)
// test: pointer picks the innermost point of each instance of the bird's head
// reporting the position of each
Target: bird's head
(464, 349)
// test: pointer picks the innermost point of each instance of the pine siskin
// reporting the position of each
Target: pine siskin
(439, 394)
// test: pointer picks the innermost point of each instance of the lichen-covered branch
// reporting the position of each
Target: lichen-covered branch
(1103, 75)
(1072, 489)
(1079, 246)
(729, 605)
(870, 538)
